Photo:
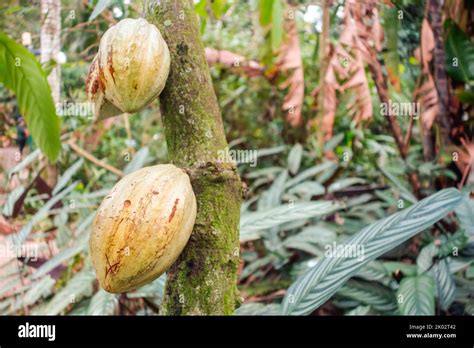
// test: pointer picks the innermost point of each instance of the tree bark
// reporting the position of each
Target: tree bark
(441, 79)
(203, 281)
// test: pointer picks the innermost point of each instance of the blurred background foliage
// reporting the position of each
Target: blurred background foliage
(329, 162)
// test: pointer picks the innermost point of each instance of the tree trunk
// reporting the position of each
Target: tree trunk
(203, 280)
(440, 76)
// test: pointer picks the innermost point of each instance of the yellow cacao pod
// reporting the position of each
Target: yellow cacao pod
(142, 226)
(131, 68)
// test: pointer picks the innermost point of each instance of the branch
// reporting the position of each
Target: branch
(95, 160)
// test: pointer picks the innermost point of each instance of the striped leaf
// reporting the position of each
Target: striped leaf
(102, 303)
(445, 285)
(318, 284)
(252, 223)
(416, 295)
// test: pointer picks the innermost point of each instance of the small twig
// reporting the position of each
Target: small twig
(406, 141)
(95, 160)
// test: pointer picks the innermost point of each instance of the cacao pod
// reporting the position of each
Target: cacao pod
(131, 68)
(142, 226)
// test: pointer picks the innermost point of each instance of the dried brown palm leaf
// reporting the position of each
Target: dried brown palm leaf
(289, 61)
(426, 94)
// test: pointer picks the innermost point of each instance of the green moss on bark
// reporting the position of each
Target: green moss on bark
(204, 278)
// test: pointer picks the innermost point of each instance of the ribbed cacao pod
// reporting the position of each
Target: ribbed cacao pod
(130, 69)
(142, 226)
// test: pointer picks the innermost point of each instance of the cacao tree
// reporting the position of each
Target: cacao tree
(204, 278)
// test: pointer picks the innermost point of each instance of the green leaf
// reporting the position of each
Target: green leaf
(218, 7)
(258, 309)
(252, 223)
(277, 24)
(379, 297)
(465, 96)
(405, 268)
(138, 161)
(360, 310)
(459, 53)
(24, 163)
(102, 303)
(99, 8)
(265, 11)
(445, 285)
(465, 214)
(155, 289)
(392, 61)
(41, 288)
(59, 258)
(272, 197)
(67, 175)
(79, 286)
(319, 283)
(22, 73)
(344, 183)
(40, 214)
(310, 172)
(294, 158)
(312, 240)
(416, 295)
(200, 8)
(11, 200)
(308, 189)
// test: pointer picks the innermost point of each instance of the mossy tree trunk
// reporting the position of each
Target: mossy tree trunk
(203, 281)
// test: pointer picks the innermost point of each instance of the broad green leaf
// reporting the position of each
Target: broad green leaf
(344, 183)
(377, 296)
(76, 288)
(294, 158)
(319, 283)
(22, 73)
(41, 214)
(99, 8)
(416, 295)
(465, 214)
(11, 200)
(258, 309)
(405, 268)
(392, 61)
(218, 7)
(67, 175)
(459, 53)
(445, 285)
(277, 24)
(359, 311)
(272, 196)
(265, 11)
(102, 303)
(308, 189)
(252, 223)
(310, 172)
(25, 162)
(58, 259)
(39, 289)
(138, 161)
(312, 240)
(200, 8)
(154, 289)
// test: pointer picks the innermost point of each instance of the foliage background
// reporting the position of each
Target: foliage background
(313, 185)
